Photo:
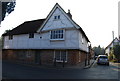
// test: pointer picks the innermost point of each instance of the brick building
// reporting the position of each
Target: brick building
(57, 37)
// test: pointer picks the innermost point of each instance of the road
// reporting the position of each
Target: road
(18, 71)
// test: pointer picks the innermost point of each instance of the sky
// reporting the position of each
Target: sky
(98, 18)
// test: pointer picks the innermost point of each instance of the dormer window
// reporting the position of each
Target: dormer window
(31, 35)
(57, 17)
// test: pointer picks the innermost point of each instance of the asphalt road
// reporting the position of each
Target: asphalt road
(18, 71)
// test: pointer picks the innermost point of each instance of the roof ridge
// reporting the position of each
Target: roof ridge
(34, 20)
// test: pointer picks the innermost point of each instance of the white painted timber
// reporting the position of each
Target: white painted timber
(71, 41)
(52, 23)
(83, 46)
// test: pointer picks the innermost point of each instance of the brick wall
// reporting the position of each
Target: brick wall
(73, 56)
(16, 55)
(8, 54)
(83, 56)
(46, 56)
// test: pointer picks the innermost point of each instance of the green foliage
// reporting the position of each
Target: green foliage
(111, 55)
(117, 52)
(98, 50)
(7, 7)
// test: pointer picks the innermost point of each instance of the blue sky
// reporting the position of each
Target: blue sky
(98, 18)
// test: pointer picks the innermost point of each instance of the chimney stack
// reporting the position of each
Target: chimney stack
(69, 14)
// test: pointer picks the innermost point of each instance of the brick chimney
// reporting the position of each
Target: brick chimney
(69, 14)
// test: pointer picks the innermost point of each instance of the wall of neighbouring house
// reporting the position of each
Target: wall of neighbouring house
(46, 56)
(108, 49)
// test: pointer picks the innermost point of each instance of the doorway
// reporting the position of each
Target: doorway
(37, 57)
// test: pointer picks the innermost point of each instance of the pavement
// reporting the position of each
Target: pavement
(92, 62)
(59, 66)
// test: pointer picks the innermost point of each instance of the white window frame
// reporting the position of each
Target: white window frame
(58, 38)
(60, 56)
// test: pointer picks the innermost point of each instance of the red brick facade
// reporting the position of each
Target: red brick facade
(44, 56)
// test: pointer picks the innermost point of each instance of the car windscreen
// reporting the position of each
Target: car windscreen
(104, 57)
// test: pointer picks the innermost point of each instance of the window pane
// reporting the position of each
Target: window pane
(57, 55)
(51, 36)
(31, 35)
(57, 31)
(10, 37)
(61, 31)
(63, 55)
(55, 36)
(58, 16)
(54, 32)
(61, 36)
(55, 17)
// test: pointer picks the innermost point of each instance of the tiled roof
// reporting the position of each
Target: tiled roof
(26, 27)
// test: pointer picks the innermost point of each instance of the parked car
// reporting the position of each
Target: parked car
(103, 59)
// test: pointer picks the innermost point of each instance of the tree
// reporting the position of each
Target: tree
(111, 56)
(99, 51)
(7, 8)
(116, 52)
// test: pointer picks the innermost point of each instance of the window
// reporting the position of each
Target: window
(60, 55)
(82, 39)
(57, 17)
(10, 37)
(31, 35)
(57, 34)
